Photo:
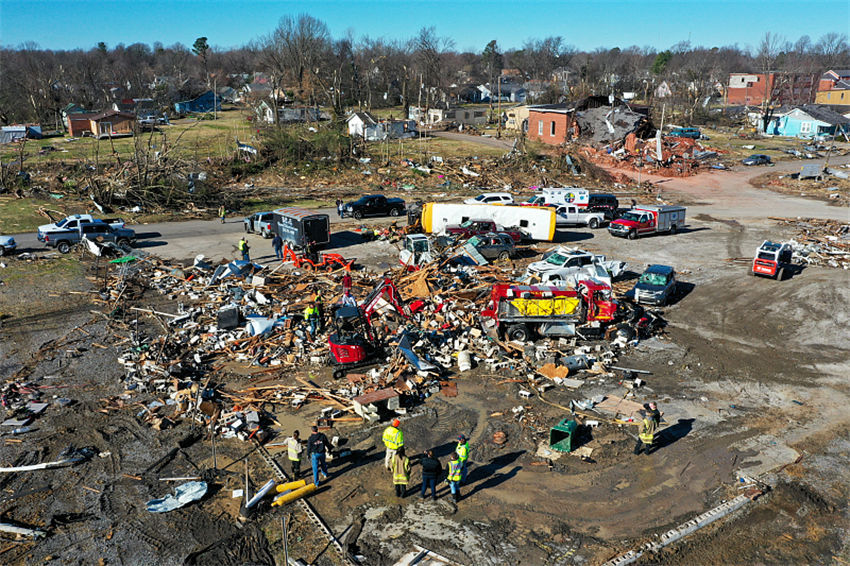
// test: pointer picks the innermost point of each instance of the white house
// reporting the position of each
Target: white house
(364, 125)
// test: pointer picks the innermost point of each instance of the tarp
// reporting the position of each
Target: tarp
(183, 495)
(405, 347)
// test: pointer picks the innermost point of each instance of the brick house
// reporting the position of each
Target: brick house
(549, 123)
(834, 88)
(752, 89)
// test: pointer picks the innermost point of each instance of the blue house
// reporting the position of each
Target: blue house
(206, 102)
(808, 121)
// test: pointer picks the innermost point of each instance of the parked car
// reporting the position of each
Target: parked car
(374, 205)
(491, 198)
(757, 159)
(7, 245)
(494, 246)
(693, 133)
(656, 285)
(260, 223)
(62, 240)
(478, 227)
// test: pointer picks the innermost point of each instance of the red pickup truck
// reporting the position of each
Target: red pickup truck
(478, 227)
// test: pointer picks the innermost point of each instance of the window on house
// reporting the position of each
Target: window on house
(552, 128)
(805, 127)
(540, 127)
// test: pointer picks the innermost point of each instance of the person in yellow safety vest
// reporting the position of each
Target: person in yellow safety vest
(311, 317)
(463, 454)
(244, 248)
(294, 449)
(453, 474)
(646, 435)
(393, 439)
(222, 213)
(401, 472)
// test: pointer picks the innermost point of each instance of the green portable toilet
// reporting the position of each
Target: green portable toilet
(561, 435)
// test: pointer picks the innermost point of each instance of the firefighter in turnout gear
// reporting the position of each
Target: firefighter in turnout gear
(393, 439)
(646, 435)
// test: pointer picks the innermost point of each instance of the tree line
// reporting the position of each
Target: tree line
(303, 62)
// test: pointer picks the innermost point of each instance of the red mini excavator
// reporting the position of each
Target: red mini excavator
(354, 342)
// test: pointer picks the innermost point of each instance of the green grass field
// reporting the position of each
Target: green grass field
(192, 137)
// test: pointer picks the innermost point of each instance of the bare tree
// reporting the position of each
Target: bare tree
(430, 50)
(769, 50)
(832, 49)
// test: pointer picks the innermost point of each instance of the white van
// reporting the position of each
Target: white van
(491, 198)
(566, 195)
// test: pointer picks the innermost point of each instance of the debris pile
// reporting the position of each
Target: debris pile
(246, 319)
(820, 242)
(680, 157)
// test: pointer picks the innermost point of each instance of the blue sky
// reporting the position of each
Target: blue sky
(69, 24)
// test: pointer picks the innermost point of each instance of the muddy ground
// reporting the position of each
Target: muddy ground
(750, 373)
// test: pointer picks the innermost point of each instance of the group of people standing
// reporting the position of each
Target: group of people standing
(397, 462)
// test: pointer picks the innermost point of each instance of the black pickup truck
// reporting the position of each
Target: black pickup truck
(374, 205)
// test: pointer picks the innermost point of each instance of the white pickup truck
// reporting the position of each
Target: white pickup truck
(73, 222)
(566, 266)
(572, 215)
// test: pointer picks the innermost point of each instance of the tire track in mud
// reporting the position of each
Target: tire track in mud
(733, 239)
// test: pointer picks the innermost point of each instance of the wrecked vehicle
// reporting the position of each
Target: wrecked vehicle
(562, 263)
(757, 159)
(657, 284)
(478, 227)
(523, 312)
(494, 246)
(648, 219)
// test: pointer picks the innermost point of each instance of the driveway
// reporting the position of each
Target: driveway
(505, 144)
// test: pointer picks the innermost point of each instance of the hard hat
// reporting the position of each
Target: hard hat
(461, 437)
(652, 405)
(396, 422)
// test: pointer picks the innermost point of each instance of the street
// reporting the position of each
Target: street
(725, 195)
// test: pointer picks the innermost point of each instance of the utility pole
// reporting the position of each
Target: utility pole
(499, 134)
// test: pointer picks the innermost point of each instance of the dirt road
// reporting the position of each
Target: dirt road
(729, 194)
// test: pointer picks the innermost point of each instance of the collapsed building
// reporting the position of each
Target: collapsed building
(610, 132)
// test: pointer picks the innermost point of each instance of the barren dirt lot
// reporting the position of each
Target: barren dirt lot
(751, 375)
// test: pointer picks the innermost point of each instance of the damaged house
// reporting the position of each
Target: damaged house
(366, 126)
(593, 120)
